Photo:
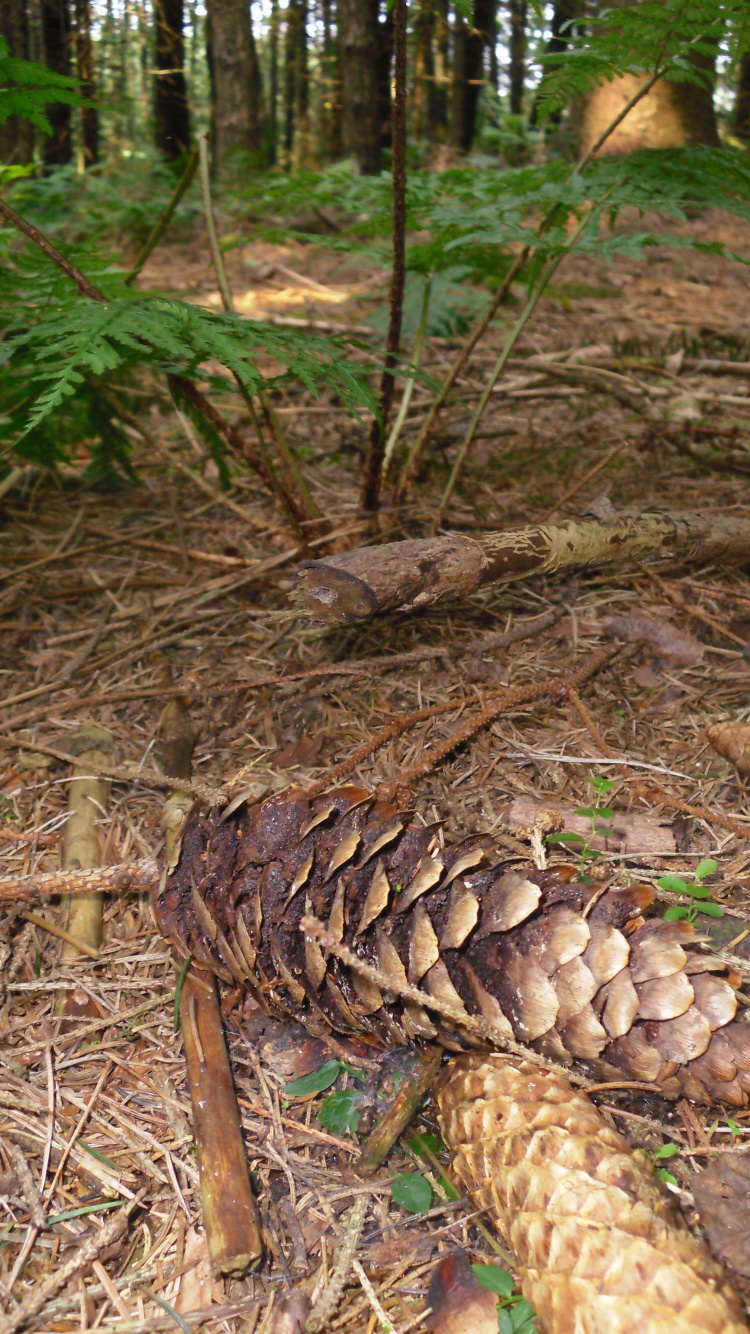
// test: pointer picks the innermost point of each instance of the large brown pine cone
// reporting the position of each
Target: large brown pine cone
(571, 972)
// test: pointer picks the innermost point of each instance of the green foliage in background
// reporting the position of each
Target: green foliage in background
(465, 225)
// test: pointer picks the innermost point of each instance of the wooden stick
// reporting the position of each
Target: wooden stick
(88, 798)
(415, 574)
(401, 1111)
(229, 1212)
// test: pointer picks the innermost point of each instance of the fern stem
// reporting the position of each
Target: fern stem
(412, 463)
(300, 507)
(208, 214)
(499, 366)
(416, 357)
(372, 472)
(165, 219)
(85, 287)
(409, 469)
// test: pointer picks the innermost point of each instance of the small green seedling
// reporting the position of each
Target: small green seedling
(515, 1314)
(698, 893)
(666, 1151)
(594, 813)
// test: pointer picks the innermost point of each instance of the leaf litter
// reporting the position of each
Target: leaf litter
(185, 587)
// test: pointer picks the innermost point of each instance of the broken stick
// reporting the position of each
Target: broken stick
(413, 574)
(229, 1213)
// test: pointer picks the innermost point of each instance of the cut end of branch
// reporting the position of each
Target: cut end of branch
(330, 596)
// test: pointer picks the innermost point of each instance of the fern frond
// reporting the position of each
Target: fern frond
(26, 88)
(643, 38)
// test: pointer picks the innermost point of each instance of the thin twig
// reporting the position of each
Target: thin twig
(499, 366)
(325, 1307)
(372, 472)
(166, 217)
(416, 357)
(412, 463)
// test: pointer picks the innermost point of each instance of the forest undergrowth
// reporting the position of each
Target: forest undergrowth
(122, 592)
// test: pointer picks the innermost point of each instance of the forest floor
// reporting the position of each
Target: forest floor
(105, 589)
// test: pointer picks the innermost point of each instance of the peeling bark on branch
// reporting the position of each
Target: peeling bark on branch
(406, 575)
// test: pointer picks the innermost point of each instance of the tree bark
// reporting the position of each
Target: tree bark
(16, 135)
(85, 73)
(517, 12)
(414, 574)
(58, 147)
(563, 14)
(272, 129)
(358, 52)
(235, 79)
(424, 71)
(171, 111)
(468, 68)
(742, 100)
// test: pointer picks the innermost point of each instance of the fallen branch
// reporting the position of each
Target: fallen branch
(87, 803)
(414, 574)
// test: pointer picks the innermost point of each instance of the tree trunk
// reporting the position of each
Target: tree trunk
(419, 573)
(235, 79)
(171, 112)
(384, 28)
(424, 71)
(517, 10)
(58, 147)
(563, 14)
(301, 145)
(468, 69)
(331, 98)
(85, 73)
(290, 78)
(273, 90)
(742, 100)
(16, 135)
(439, 103)
(360, 111)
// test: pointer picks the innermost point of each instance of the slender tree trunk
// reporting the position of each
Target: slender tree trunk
(16, 135)
(384, 29)
(424, 71)
(301, 151)
(564, 13)
(273, 82)
(85, 73)
(468, 68)
(360, 111)
(331, 92)
(235, 79)
(290, 78)
(494, 70)
(517, 10)
(439, 102)
(171, 112)
(742, 100)
(58, 148)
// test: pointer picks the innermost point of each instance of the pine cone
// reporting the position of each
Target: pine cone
(598, 1245)
(573, 973)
